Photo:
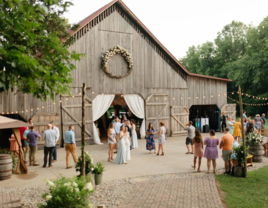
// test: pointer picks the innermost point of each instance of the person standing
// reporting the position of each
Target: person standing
(50, 137)
(161, 138)
(26, 144)
(124, 120)
(198, 149)
(134, 137)
(223, 125)
(117, 127)
(32, 139)
(211, 151)
(70, 146)
(128, 144)
(57, 131)
(121, 157)
(128, 126)
(227, 149)
(189, 139)
(150, 140)
(22, 130)
(258, 121)
(230, 125)
(237, 130)
(14, 147)
(244, 114)
(263, 119)
(111, 141)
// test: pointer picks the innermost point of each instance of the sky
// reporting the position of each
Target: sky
(179, 24)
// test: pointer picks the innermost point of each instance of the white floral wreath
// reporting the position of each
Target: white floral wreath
(112, 52)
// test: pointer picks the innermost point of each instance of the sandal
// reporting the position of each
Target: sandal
(193, 166)
(187, 153)
(162, 154)
(157, 154)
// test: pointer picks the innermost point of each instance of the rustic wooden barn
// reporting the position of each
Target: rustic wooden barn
(166, 86)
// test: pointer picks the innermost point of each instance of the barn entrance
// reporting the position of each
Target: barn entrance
(201, 115)
(130, 105)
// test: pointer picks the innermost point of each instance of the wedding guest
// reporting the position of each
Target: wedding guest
(111, 141)
(14, 147)
(258, 122)
(134, 137)
(263, 119)
(198, 149)
(128, 126)
(32, 139)
(237, 130)
(117, 127)
(26, 144)
(161, 138)
(249, 130)
(235, 145)
(57, 131)
(124, 119)
(227, 149)
(150, 140)
(121, 157)
(50, 137)
(223, 124)
(230, 125)
(128, 143)
(211, 151)
(70, 146)
(189, 139)
(244, 114)
(22, 129)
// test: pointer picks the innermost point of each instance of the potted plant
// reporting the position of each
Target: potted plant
(97, 171)
(255, 146)
(89, 164)
(239, 157)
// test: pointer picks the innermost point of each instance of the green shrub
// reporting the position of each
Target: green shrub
(89, 164)
(98, 168)
(68, 193)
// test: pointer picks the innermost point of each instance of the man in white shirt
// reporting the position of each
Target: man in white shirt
(50, 138)
(56, 129)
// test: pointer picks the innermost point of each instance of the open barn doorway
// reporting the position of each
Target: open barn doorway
(118, 108)
(201, 115)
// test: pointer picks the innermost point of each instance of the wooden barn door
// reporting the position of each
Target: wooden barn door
(157, 109)
(72, 115)
(229, 110)
(179, 118)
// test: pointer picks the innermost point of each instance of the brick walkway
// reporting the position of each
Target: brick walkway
(9, 201)
(192, 192)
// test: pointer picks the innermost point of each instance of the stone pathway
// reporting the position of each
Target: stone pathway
(8, 200)
(187, 192)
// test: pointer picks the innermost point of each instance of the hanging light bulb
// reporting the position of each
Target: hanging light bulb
(4, 69)
(189, 98)
(211, 95)
(92, 92)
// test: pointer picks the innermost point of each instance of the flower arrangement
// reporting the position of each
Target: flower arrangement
(68, 193)
(112, 52)
(98, 168)
(255, 138)
(89, 164)
(239, 153)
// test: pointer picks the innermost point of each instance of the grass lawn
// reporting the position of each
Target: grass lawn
(251, 192)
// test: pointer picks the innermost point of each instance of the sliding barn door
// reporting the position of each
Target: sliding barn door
(229, 110)
(179, 118)
(72, 115)
(157, 110)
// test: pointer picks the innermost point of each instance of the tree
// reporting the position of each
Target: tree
(34, 42)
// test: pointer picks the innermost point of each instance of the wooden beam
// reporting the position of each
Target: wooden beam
(155, 118)
(182, 125)
(152, 104)
(180, 114)
(77, 106)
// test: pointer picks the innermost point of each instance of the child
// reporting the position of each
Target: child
(198, 149)
(14, 145)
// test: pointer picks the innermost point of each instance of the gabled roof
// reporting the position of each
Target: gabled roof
(101, 10)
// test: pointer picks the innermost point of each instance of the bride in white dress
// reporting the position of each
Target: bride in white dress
(128, 143)
(121, 157)
(134, 135)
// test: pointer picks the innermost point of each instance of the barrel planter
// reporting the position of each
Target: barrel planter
(257, 151)
(5, 166)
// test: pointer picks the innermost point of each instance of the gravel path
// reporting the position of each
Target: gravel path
(110, 193)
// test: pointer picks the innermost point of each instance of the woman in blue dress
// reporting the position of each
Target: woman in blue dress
(150, 142)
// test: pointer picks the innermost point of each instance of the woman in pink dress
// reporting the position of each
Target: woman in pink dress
(198, 149)
(14, 145)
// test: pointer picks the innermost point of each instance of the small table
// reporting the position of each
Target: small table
(249, 161)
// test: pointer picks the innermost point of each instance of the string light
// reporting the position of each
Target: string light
(4, 69)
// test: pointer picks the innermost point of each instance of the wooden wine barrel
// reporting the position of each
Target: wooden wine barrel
(5, 166)
(257, 151)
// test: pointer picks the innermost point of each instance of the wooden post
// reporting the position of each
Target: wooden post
(83, 130)
(243, 131)
(61, 123)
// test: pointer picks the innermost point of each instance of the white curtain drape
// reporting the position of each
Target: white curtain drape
(136, 105)
(100, 105)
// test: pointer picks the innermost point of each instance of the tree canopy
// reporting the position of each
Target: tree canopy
(240, 53)
(34, 47)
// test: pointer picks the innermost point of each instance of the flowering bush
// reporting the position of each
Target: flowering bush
(239, 153)
(68, 193)
(255, 138)
(98, 168)
(89, 164)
